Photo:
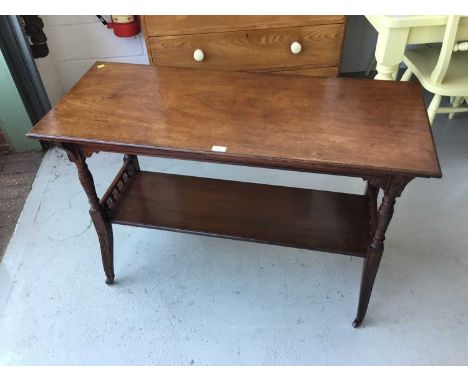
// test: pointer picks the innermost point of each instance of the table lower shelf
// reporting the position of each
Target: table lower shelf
(293, 217)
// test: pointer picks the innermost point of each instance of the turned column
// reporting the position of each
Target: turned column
(392, 186)
(389, 52)
(98, 213)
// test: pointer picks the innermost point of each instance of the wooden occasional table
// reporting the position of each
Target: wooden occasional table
(378, 131)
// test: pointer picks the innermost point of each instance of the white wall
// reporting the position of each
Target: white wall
(75, 43)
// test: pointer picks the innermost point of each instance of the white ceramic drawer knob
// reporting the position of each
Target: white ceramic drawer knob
(198, 55)
(296, 47)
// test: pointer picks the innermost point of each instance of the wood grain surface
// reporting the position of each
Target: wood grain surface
(319, 220)
(253, 49)
(177, 25)
(331, 71)
(335, 125)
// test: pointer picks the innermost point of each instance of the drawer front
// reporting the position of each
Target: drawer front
(252, 49)
(176, 25)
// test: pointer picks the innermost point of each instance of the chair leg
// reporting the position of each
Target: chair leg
(407, 75)
(456, 102)
(433, 106)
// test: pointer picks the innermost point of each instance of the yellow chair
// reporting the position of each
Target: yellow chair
(442, 71)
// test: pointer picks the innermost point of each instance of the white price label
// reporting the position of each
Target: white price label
(220, 149)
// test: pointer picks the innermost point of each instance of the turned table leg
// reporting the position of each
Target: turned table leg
(389, 52)
(98, 214)
(372, 192)
(393, 187)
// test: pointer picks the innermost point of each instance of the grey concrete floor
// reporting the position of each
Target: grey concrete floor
(17, 173)
(185, 299)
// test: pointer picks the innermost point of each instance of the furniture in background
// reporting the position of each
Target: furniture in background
(395, 32)
(457, 101)
(380, 134)
(441, 70)
(306, 45)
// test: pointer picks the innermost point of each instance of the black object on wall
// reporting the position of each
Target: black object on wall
(18, 56)
(34, 28)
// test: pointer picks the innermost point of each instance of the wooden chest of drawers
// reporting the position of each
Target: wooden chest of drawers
(307, 45)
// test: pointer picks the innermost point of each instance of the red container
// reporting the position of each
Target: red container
(124, 25)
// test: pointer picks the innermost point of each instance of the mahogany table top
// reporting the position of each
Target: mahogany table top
(334, 125)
